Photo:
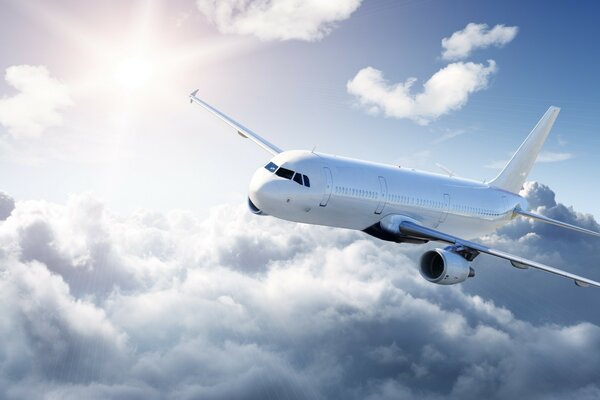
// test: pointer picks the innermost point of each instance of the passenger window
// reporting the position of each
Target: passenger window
(284, 173)
(306, 181)
(271, 167)
(298, 178)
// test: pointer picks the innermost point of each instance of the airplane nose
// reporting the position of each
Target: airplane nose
(262, 189)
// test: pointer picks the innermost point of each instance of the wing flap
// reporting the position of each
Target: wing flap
(241, 129)
(414, 230)
(542, 218)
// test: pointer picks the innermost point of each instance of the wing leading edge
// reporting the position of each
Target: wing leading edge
(241, 129)
(418, 231)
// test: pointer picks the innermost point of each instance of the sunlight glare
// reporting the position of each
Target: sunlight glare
(133, 73)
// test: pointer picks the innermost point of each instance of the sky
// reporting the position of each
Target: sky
(131, 268)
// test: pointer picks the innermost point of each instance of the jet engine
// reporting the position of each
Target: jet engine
(445, 267)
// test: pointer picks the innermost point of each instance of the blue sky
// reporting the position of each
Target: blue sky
(293, 92)
(131, 268)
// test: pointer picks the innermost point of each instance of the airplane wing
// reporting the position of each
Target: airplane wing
(547, 220)
(417, 231)
(241, 129)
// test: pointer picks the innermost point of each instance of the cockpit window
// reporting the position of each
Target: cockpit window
(306, 181)
(288, 174)
(284, 173)
(298, 178)
(271, 167)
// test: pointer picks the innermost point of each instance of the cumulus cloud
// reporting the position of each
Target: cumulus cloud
(476, 36)
(555, 246)
(167, 305)
(278, 20)
(447, 90)
(7, 204)
(38, 104)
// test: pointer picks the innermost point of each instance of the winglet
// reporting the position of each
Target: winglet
(241, 129)
(193, 94)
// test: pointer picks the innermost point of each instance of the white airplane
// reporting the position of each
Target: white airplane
(401, 204)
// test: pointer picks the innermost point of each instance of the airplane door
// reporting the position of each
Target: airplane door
(446, 207)
(382, 195)
(328, 186)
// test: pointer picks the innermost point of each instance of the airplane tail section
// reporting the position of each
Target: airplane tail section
(515, 172)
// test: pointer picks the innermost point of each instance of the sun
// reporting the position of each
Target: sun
(120, 58)
(133, 72)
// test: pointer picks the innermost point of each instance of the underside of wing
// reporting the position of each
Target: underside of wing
(469, 250)
(542, 218)
(241, 129)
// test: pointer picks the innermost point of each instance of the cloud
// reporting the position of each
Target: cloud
(447, 90)
(543, 157)
(167, 305)
(37, 105)
(278, 20)
(476, 36)
(7, 204)
(552, 245)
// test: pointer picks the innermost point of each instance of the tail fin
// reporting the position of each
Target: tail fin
(515, 172)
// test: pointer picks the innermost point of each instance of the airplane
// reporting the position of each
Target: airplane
(400, 204)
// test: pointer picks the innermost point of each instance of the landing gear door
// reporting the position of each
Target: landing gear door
(328, 186)
(382, 195)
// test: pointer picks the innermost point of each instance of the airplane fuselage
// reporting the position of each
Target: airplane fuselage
(373, 197)
(402, 205)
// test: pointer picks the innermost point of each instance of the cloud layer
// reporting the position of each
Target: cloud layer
(447, 90)
(476, 36)
(38, 104)
(156, 306)
(278, 20)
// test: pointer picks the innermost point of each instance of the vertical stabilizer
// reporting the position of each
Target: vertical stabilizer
(515, 172)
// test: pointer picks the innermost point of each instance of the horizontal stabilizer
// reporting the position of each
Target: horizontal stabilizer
(547, 220)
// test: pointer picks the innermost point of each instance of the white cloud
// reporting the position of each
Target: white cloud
(476, 36)
(38, 104)
(7, 204)
(160, 305)
(448, 89)
(308, 20)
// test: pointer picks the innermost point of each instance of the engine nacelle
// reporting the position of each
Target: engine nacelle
(445, 267)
